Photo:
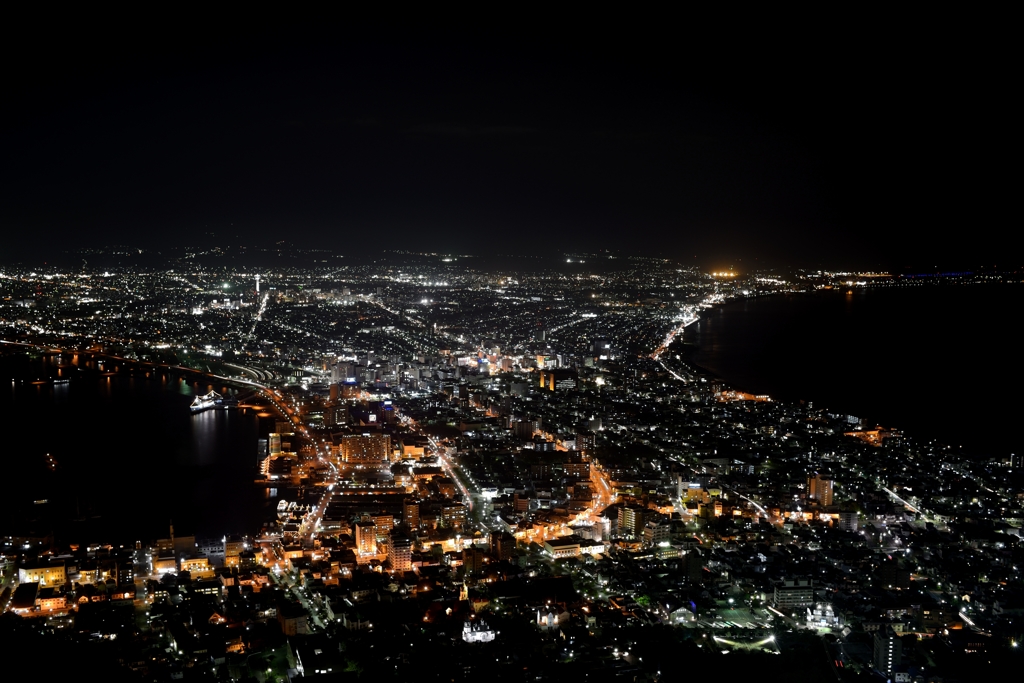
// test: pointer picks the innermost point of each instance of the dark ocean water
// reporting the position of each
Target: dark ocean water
(939, 361)
(130, 456)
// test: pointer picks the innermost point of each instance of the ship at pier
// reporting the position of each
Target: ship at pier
(212, 400)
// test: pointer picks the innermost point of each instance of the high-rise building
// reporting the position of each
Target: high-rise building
(888, 651)
(263, 456)
(385, 523)
(694, 565)
(502, 545)
(894, 574)
(366, 538)
(603, 349)
(336, 415)
(848, 521)
(399, 548)
(411, 513)
(819, 488)
(585, 443)
(632, 519)
(454, 515)
(473, 560)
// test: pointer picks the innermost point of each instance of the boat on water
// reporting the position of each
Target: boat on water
(212, 400)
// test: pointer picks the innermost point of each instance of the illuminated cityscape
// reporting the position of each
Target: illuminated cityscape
(582, 348)
(521, 462)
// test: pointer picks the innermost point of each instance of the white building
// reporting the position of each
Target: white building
(477, 632)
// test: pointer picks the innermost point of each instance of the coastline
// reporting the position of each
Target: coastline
(201, 467)
(691, 348)
(884, 354)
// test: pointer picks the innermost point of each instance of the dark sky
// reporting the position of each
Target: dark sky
(876, 144)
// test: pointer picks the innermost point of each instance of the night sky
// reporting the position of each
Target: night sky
(866, 144)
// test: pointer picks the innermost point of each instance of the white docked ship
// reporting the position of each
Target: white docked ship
(212, 400)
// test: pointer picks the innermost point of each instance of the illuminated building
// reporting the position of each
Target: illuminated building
(577, 469)
(477, 632)
(454, 515)
(793, 593)
(399, 547)
(119, 568)
(411, 513)
(43, 574)
(888, 651)
(603, 348)
(336, 414)
(366, 538)
(413, 448)
(692, 490)
(657, 533)
(165, 564)
(49, 599)
(558, 380)
(821, 615)
(819, 488)
(384, 523)
(197, 566)
(586, 442)
(559, 548)
(262, 450)
(632, 519)
(234, 545)
(365, 449)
